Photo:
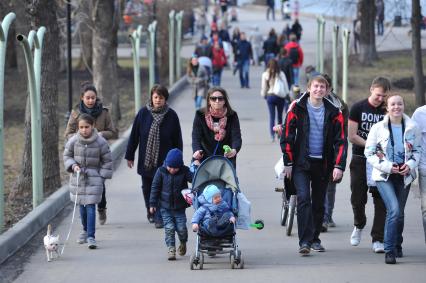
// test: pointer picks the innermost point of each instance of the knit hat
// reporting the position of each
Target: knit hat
(174, 158)
(209, 192)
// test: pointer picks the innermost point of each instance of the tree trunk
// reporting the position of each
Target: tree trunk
(43, 13)
(105, 16)
(85, 34)
(367, 44)
(419, 86)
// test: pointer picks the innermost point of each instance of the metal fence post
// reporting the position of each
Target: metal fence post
(152, 29)
(34, 84)
(335, 43)
(171, 47)
(345, 54)
(4, 29)
(178, 17)
(135, 40)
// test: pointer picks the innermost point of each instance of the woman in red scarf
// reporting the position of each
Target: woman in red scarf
(215, 126)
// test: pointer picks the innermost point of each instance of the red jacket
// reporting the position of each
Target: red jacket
(219, 58)
(293, 44)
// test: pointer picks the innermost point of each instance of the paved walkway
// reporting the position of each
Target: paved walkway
(131, 250)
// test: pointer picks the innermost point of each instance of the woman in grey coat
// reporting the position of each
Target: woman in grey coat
(198, 76)
(87, 157)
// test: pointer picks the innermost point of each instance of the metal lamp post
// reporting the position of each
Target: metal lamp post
(171, 47)
(4, 29)
(179, 17)
(335, 43)
(34, 83)
(320, 44)
(152, 29)
(135, 40)
(345, 55)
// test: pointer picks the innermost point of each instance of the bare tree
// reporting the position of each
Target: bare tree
(43, 13)
(419, 86)
(367, 11)
(105, 18)
(85, 34)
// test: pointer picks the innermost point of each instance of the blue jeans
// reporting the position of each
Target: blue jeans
(268, 56)
(88, 219)
(275, 102)
(174, 221)
(329, 202)
(296, 75)
(244, 68)
(380, 28)
(394, 196)
(422, 185)
(198, 102)
(311, 186)
(216, 78)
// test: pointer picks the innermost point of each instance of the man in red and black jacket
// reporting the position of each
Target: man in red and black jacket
(314, 146)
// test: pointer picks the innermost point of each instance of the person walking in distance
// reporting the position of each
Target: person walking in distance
(270, 9)
(244, 55)
(362, 116)
(419, 117)
(314, 149)
(295, 53)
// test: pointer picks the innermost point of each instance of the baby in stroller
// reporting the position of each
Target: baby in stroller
(214, 216)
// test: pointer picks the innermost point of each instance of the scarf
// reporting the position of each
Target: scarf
(95, 111)
(221, 114)
(153, 143)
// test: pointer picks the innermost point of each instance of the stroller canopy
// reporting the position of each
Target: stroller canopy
(215, 169)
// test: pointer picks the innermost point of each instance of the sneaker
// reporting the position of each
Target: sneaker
(378, 247)
(182, 249)
(324, 227)
(171, 254)
(304, 249)
(331, 223)
(102, 216)
(390, 258)
(356, 236)
(150, 218)
(317, 247)
(82, 238)
(91, 243)
(159, 225)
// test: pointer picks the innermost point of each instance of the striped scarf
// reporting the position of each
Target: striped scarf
(153, 143)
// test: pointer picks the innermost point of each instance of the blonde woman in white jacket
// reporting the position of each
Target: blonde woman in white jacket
(276, 101)
(393, 149)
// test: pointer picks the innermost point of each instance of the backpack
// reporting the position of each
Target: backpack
(294, 55)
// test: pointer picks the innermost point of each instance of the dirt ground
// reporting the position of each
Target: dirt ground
(394, 65)
(14, 116)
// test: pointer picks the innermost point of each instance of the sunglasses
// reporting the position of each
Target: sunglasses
(217, 98)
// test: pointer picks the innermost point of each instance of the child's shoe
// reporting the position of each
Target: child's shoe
(182, 249)
(82, 238)
(172, 253)
(91, 243)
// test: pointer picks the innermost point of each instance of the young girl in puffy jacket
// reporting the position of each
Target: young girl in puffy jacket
(89, 154)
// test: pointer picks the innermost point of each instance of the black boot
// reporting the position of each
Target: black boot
(390, 258)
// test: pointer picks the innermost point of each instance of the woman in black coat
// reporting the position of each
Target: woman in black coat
(156, 130)
(215, 126)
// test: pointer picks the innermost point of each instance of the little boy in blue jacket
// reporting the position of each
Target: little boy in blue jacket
(169, 180)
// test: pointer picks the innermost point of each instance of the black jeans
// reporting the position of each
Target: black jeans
(146, 190)
(103, 203)
(311, 186)
(359, 197)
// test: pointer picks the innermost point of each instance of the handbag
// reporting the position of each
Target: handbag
(280, 88)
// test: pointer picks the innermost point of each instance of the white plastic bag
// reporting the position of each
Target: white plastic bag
(244, 208)
(279, 169)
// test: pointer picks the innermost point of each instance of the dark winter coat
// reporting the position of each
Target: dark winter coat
(170, 137)
(203, 137)
(270, 45)
(286, 66)
(295, 138)
(244, 51)
(166, 188)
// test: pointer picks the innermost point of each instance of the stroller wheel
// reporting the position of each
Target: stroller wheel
(241, 263)
(232, 259)
(231, 253)
(191, 262)
(201, 262)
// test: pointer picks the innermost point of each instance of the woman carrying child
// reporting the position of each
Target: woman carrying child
(89, 154)
(393, 149)
(90, 104)
(169, 180)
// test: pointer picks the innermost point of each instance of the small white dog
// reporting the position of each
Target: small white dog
(51, 244)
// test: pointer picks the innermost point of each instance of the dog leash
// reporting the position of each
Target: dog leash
(73, 214)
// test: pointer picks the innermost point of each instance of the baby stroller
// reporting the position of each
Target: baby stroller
(219, 171)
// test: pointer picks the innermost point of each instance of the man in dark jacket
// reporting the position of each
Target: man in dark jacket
(286, 66)
(314, 149)
(244, 55)
(270, 47)
(170, 179)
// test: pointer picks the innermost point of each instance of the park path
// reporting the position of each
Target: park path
(131, 250)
